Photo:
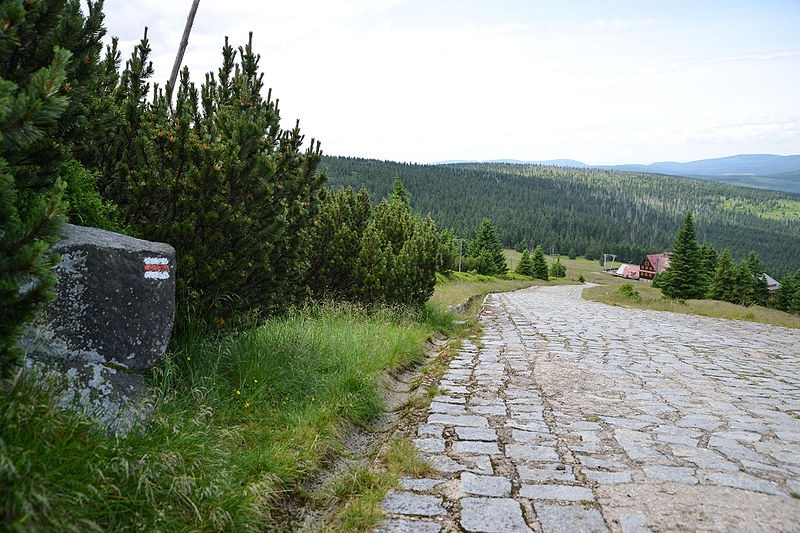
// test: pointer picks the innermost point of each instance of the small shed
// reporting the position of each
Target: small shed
(628, 272)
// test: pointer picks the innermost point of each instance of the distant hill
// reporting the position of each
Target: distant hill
(761, 171)
(588, 211)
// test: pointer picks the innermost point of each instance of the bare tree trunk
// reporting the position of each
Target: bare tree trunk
(184, 41)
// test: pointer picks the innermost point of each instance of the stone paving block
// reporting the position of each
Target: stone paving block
(706, 422)
(633, 523)
(467, 421)
(597, 462)
(675, 474)
(549, 473)
(410, 503)
(742, 481)
(556, 492)
(476, 434)
(485, 485)
(492, 410)
(430, 429)
(532, 453)
(607, 478)
(429, 445)
(449, 399)
(492, 515)
(475, 447)
(421, 485)
(556, 518)
(402, 525)
(447, 408)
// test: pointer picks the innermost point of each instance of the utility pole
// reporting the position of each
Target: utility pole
(460, 246)
(184, 41)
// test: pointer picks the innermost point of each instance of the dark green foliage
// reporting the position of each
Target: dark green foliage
(488, 250)
(35, 38)
(581, 279)
(589, 211)
(399, 256)
(538, 264)
(708, 266)
(723, 286)
(85, 206)
(558, 270)
(629, 291)
(337, 238)
(760, 287)
(389, 256)
(684, 276)
(525, 266)
(215, 176)
(744, 285)
(787, 297)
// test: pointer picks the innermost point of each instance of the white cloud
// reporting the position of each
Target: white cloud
(765, 56)
(617, 24)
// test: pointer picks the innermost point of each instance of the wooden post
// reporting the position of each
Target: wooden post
(184, 42)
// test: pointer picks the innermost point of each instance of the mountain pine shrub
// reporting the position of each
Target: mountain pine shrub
(216, 176)
(48, 51)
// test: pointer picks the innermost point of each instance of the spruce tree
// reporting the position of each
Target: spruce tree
(760, 287)
(524, 267)
(47, 51)
(723, 286)
(540, 270)
(708, 262)
(787, 297)
(558, 270)
(487, 246)
(684, 275)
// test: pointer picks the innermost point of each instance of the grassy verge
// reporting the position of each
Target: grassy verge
(457, 287)
(240, 422)
(651, 298)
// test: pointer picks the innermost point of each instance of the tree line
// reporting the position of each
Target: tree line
(696, 271)
(589, 212)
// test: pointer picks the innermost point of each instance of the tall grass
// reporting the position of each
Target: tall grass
(240, 422)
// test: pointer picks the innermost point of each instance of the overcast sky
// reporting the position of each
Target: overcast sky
(430, 80)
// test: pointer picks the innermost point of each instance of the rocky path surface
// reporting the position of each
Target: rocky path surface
(573, 416)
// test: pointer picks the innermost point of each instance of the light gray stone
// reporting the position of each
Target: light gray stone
(675, 474)
(429, 445)
(744, 482)
(549, 473)
(492, 515)
(464, 421)
(556, 492)
(557, 518)
(532, 453)
(430, 429)
(607, 478)
(596, 462)
(485, 485)
(410, 503)
(421, 485)
(475, 447)
(402, 525)
(476, 434)
(633, 523)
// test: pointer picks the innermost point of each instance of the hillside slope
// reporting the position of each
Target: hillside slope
(588, 211)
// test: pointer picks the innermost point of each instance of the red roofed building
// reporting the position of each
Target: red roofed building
(653, 264)
(628, 272)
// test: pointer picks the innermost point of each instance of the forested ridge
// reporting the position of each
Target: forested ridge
(588, 211)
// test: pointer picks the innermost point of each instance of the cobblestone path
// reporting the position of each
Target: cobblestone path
(573, 416)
